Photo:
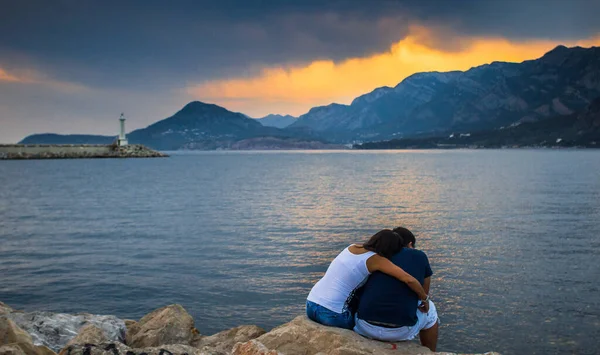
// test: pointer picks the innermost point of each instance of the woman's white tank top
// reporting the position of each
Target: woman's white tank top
(346, 273)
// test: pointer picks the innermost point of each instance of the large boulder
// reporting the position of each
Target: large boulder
(132, 328)
(222, 342)
(55, 330)
(16, 341)
(168, 325)
(90, 334)
(302, 336)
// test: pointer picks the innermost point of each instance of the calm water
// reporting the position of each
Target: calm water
(240, 237)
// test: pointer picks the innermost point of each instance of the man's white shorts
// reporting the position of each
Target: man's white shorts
(424, 321)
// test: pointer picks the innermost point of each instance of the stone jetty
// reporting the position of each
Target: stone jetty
(171, 331)
(75, 151)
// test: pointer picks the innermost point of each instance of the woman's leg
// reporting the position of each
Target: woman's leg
(311, 310)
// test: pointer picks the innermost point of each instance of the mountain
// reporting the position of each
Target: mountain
(588, 121)
(580, 129)
(199, 126)
(277, 121)
(561, 82)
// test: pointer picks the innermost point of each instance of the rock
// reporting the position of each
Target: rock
(89, 334)
(252, 347)
(132, 328)
(302, 336)
(55, 330)
(222, 342)
(4, 309)
(16, 341)
(11, 334)
(168, 325)
(44, 350)
(12, 349)
(19, 349)
(122, 349)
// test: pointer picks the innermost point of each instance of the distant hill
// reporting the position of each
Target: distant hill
(561, 82)
(200, 126)
(51, 138)
(271, 143)
(575, 130)
(277, 121)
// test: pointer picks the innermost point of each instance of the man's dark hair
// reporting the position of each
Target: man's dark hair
(385, 243)
(406, 236)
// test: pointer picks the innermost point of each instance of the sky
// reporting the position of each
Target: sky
(72, 66)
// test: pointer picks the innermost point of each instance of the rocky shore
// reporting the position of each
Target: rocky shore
(170, 331)
(75, 151)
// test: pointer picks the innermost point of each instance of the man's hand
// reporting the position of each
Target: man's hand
(424, 306)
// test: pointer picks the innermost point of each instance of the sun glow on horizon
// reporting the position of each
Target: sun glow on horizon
(295, 90)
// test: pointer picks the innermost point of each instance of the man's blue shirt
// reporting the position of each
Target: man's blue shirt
(388, 300)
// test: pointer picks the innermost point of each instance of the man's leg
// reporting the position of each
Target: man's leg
(429, 337)
(429, 324)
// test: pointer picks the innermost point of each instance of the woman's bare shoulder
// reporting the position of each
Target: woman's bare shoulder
(357, 249)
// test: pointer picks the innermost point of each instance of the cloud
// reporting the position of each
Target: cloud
(152, 42)
(324, 81)
(11, 78)
(33, 77)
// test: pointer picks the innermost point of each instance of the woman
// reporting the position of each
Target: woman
(327, 302)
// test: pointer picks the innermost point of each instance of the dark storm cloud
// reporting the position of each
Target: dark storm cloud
(154, 42)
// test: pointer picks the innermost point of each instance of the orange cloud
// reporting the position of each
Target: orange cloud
(29, 76)
(295, 90)
(4, 76)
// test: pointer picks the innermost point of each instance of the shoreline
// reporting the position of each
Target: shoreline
(170, 330)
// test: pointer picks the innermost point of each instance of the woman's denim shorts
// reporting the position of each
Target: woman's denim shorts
(328, 317)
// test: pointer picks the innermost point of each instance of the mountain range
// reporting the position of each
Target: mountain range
(561, 83)
(576, 130)
(278, 121)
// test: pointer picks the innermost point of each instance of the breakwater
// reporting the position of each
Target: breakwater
(75, 151)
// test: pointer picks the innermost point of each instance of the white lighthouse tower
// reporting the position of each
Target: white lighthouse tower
(122, 139)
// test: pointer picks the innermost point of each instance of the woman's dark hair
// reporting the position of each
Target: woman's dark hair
(385, 243)
(406, 235)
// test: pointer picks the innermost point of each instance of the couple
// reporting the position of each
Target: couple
(392, 278)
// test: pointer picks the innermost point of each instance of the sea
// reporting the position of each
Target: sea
(513, 236)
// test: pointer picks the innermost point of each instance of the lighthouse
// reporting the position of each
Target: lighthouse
(122, 139)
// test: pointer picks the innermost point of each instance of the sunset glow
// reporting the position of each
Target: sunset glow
(4, 76)
(294, 90)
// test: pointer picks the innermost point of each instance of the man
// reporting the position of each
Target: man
(390, 311)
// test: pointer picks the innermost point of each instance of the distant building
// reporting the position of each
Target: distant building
(122, 140)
